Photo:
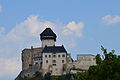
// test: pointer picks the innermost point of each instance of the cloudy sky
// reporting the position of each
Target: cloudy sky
(82, 26)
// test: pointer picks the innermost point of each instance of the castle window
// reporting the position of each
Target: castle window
(49, 56)
(62, 61)
(54, 61)
(45, 56)
(46, 61)
(59, 56)
(63, 55)
(54, 64)
(54, 55)
(36, 63)
(30, 65)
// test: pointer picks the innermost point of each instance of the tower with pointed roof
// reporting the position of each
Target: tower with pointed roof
(48, 37)
(53, 57)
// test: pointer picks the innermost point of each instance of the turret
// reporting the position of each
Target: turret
(48, 37)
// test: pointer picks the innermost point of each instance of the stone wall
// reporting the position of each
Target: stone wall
(82, 63)
(28, 55)
(85, 61)
(26, 58)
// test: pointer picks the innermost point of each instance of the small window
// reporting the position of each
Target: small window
(30, 65)
(41, 63)
(46, 61)
(62, 61)
(49, 56)
(54, 61)
(59, 56)
(63, 55)
(45, 56)
(54, 64)
(54, 55)
(36, 63)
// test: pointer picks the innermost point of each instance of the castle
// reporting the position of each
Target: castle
(53, 59)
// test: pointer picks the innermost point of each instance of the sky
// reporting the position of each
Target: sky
(82, 26)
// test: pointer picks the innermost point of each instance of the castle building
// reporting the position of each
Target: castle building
(51, 58)
(54, 57)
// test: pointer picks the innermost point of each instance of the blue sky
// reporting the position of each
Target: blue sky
(82, 26)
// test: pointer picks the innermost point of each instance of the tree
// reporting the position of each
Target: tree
(47, 76)
(106, 69)
(98, 59)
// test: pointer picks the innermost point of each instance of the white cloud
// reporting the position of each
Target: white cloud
(9, 66)
(1, 29)
(32, 27)
(0, 8)
(26, 34)
(11, 44)
(109, 19)
(73, 28)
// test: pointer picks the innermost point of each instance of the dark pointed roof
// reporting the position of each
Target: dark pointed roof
(54, 49)
(48, 34)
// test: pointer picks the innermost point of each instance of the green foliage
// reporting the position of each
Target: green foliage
(98, 59)
(107, 69)
(47, 76)
(63, 77)
(81, 76)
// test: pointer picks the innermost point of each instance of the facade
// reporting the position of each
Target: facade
(53, 59)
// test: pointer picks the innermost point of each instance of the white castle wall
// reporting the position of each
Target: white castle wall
(56, 69)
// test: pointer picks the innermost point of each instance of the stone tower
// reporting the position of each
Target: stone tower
(48, 37)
